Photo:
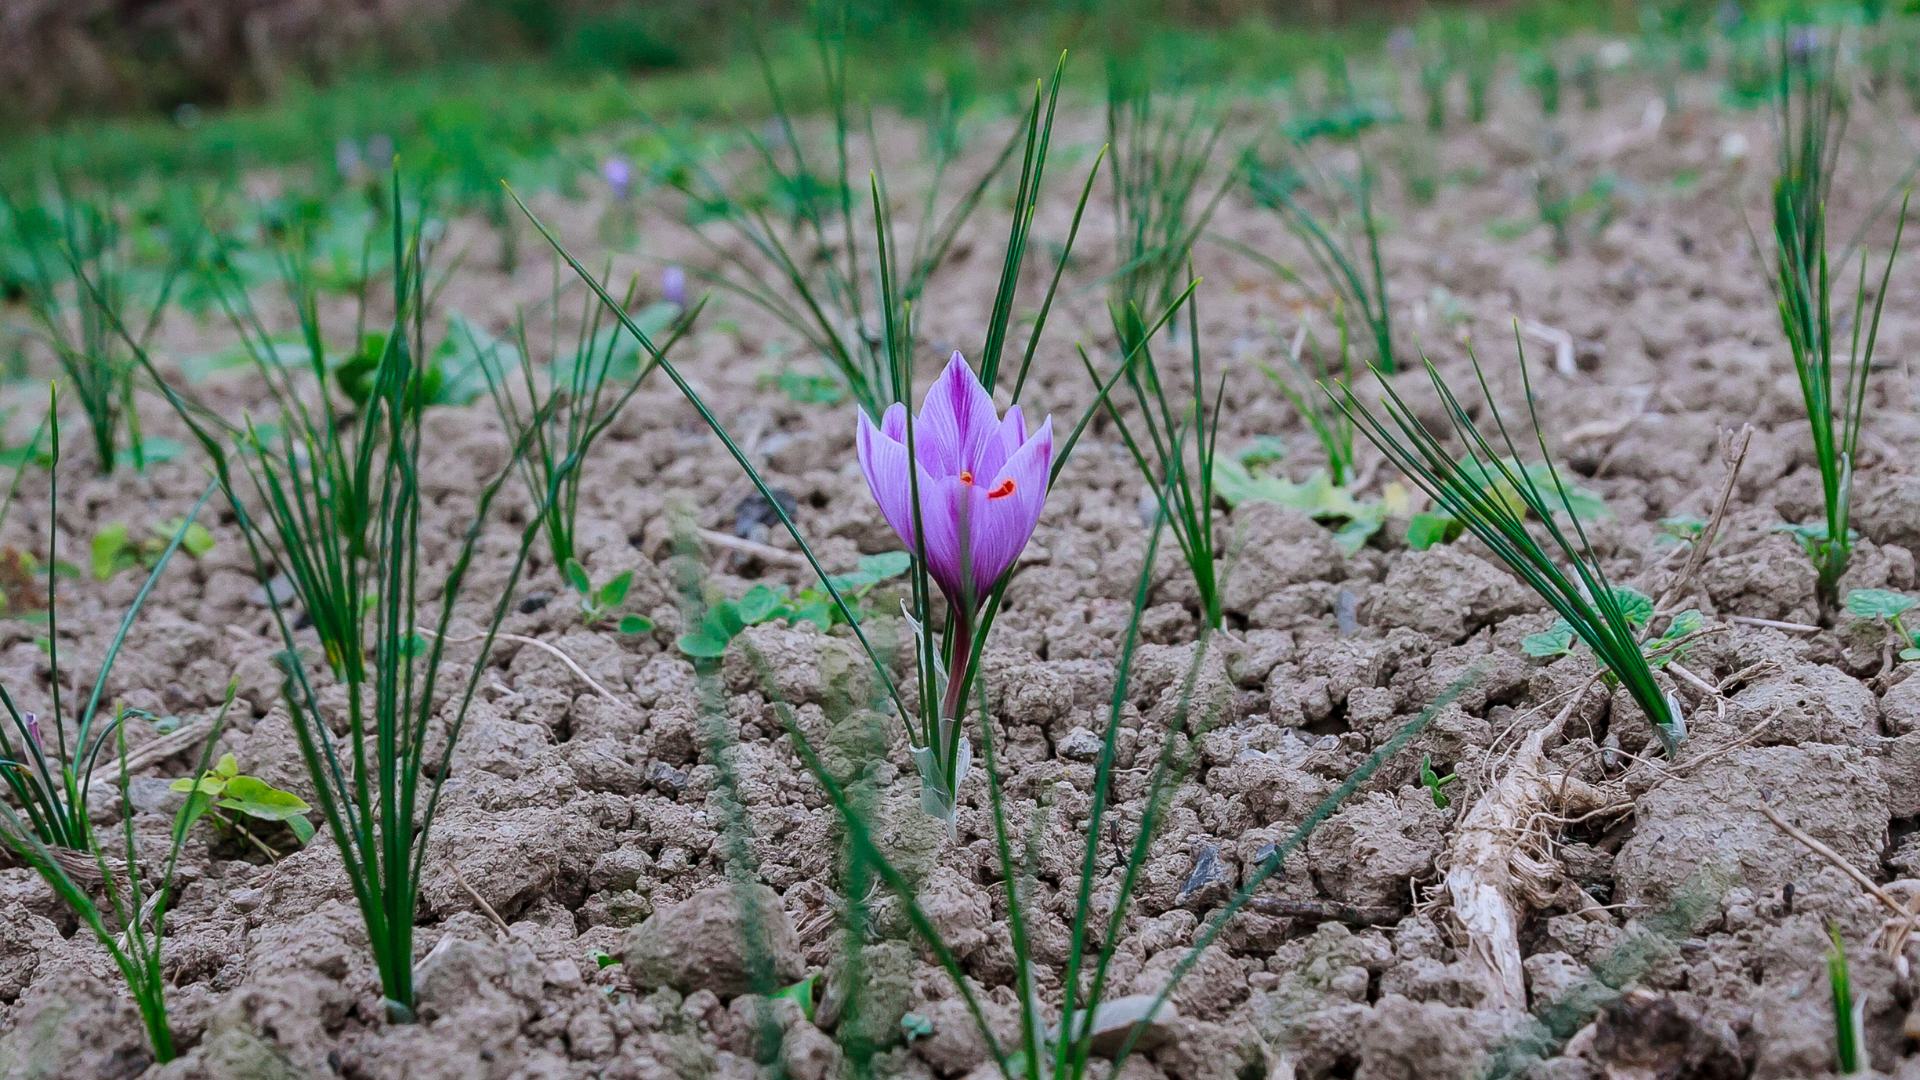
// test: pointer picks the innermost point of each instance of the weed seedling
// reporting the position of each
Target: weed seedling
(1436, 784)
(1670, 647)
(224, 791)
(723, 620)
(81, 306)
(114, 547)
(1887, 606)
(598, 603)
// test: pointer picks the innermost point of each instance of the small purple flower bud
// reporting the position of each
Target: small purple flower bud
(618, 172)
(380, 152)
(346, 158)
(1401, 42)
(33, 730)
(1802, 43)
(673, 286)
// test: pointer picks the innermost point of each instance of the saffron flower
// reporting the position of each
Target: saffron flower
(982, 480)
(618, 173)
(673, 286)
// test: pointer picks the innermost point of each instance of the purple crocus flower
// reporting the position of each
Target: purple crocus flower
(380, 152)
(983, 480)
(1803, 43)
(673, 286)
(33, 730)
(618, 173)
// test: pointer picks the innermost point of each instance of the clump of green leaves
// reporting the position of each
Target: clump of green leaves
(1544, 76)
(1559, 638)
(1164, 191)
(115, 548)
(723, 620)
(224, 791)
(1436, 73)
(1563, 568)
(1173, 445)
(1482, 64)
(1886, 606)
(1162, 160)
(48, 773)
(1559, 205)
(801, 257)
(46, 826)
(1355, 520)
(1586, 78)
(1810, 118)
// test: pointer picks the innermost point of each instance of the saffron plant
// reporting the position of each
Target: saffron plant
(1164, 428)
(334, 504)
(814, 272)
(1811, 117)
(48, 771)
(941, 776)
(1060, 1018)
(50, 777)
(963, 488)
(79, 300)
(125, 914)
(1343, 244)
(1563, 569)
(562, 415)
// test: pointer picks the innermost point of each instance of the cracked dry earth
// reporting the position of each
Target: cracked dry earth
(1647, 914)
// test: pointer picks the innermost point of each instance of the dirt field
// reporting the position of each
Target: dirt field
(1648, 913)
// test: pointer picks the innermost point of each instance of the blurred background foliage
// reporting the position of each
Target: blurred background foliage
(231, 84)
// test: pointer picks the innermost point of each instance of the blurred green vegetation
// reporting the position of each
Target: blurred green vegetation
(553, 72)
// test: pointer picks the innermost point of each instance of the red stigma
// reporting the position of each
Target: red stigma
(1004, 489)
(966, 477)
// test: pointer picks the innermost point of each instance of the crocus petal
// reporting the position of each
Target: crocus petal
(1002, 524)
(940, 500)
(959, 412)
(1006, 439)
(884, 461)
